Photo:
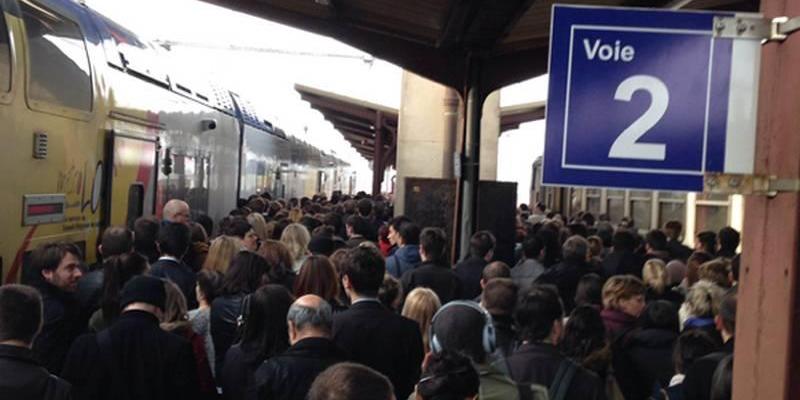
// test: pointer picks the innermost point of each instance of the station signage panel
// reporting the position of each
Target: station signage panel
(648, 99)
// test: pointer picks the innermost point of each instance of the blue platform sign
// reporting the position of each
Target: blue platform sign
(647, 99)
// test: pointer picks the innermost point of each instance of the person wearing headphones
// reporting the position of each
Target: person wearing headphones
(537, 361)
(464, 327)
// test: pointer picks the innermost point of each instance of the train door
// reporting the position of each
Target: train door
(131, 183)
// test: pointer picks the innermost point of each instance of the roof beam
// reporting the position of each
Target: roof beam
(460, 16)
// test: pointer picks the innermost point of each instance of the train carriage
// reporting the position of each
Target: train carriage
(97, 131)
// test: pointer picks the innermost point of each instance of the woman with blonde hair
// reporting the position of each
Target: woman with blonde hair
(296, 239)
(259, 225)
(421, 304)
(295, 215)
(656, 281)
(221, 253)
(623, 302)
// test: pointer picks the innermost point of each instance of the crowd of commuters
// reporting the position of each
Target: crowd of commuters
(328, 299)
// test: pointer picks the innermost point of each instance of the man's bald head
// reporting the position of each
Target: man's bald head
(178, 211)
(309, 316)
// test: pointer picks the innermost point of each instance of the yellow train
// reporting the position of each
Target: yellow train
(96, 131)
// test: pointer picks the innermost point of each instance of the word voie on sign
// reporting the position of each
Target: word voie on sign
(608, 52)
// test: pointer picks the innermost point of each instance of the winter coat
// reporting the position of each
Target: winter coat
(622, 263)
(642, 359)
(566, 276)
(289, 376)
(538, 363)
(140, 361)
(439, 278)
(697, 385)
(63, 321)
(224, 312)
(24, 379)
(469, 271)
(525, 273)
(404, 259)
(382, 340)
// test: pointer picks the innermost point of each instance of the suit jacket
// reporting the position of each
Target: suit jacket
(24, 379)
(179, 273)
(469, 271)
(382, 340)
(142, 362)
(289, 376)
(441, 279)
(64, 321)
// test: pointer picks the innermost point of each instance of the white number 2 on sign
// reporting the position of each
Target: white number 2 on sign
(626, 146)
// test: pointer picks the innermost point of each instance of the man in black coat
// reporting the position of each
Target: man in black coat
(174, 240)
(677, 250)
(697, 384)
(58, 270)
(289, 376)
(134, 359)
(370, 333)
(469, 270)
(22, 377)
(566, 274)
(537, 361)
(623, 259)
(433, 273)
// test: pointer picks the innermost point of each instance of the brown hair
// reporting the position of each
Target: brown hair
(717, 271)
(619, 288)
(276, 253)
(350, 381)
(421, 304)
(317, 276)
(175, 314)
(221, 253)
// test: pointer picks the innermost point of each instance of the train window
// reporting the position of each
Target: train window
(711, 217)
(5, 56)
(671, 211)
(593, 201)
(641, 208)
(59, 65)
(615, 204)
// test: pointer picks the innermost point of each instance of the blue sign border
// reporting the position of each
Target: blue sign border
(556, 171)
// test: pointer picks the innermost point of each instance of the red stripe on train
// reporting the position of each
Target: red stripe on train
(12, 273)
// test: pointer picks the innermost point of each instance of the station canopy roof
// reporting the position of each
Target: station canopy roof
(436, 38)
(356, 119)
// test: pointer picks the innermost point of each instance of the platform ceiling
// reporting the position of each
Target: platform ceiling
(436, 38)
(356, 119)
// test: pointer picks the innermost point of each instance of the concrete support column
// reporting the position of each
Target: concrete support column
(490, 136)
(424, 141)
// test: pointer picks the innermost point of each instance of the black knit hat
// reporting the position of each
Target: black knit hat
(321, 245)
(143, 289)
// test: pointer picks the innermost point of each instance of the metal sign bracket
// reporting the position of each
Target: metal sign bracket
(749, 184)
(754, 27)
